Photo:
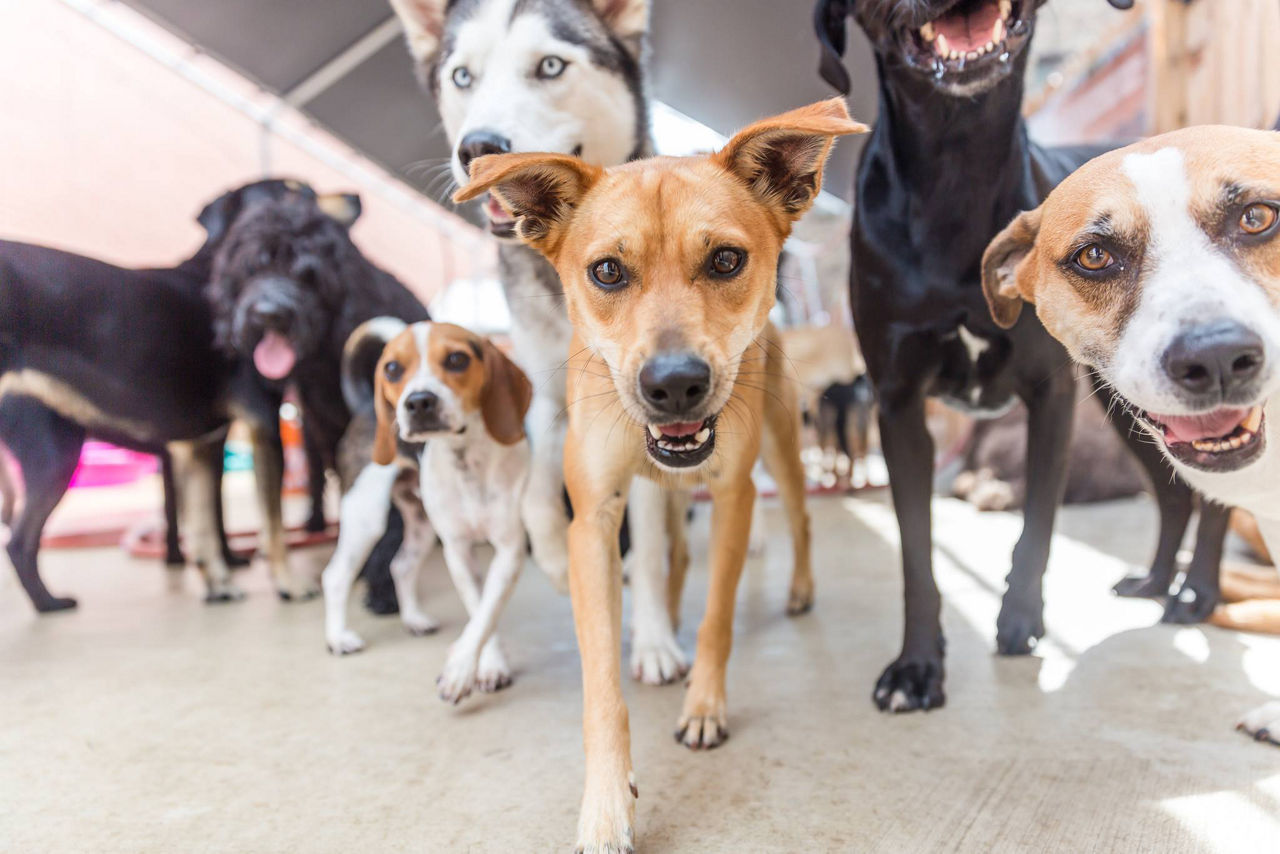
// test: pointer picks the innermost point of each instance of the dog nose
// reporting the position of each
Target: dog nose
(479, 143)
(420, 403)
(675, 383)
(270, 314)
(1217, 358)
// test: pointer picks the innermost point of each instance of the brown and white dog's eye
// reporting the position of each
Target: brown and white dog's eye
(725, 262)
(457, 362)
(608, 274)
(1257, 218)
(393, 370)
(1093, 259)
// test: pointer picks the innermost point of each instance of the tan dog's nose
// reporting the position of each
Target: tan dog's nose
(675, 383)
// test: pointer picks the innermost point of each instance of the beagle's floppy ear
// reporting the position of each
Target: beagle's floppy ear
(384, 436)
(781, 159)
(423, 22)
(344, 207)
(506, 396)
(1007, 274)
(540, 190)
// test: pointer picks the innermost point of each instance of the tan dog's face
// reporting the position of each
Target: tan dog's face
(669, 265)
(1159, 264)
(438, 379)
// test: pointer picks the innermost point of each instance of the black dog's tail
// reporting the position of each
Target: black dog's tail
(360, 359)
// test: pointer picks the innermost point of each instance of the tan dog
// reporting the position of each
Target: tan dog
(669, 267)
(1159, 265)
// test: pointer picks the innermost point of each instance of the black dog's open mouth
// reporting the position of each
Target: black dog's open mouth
(1222, 440)
(682, 444)
(971, 40)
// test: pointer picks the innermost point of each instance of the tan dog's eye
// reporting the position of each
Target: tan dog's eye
(1093, 258)
(1257, 218)
(393, 370)
(457, 362)
(726, 262)
(608, 274)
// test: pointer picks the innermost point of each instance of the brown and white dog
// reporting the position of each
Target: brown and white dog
(1159, 265)
(669, 268)
(442, 385)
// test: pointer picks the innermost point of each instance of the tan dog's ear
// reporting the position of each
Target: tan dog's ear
(384, 436)
(781, 159)
(539, 190)
(1006, 275)
(423, 22)
(506, 397)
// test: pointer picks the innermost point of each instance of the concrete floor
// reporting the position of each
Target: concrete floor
(149, 722)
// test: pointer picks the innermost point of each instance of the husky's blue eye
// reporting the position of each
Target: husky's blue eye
(462, 77)
(551, 67)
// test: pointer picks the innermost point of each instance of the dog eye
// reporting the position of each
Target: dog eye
(551, 67)
(457, 362)
(1257, 218)
(725, 262)
(462, 77)
(608, 274)
(393, 370)
(1093, 258)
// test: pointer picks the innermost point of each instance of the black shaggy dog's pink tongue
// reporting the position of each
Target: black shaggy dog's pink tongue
(274, 356)
(1193, 428)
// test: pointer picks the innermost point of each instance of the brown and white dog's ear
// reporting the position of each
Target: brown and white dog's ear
(384, 435)
(423, 22)
(628, 20)
(1007, 276)
(506, 396)
(540, 190)
(781, 159)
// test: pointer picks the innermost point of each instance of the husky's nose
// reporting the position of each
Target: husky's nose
(1215, 359)
(675, 383)
(479, 143)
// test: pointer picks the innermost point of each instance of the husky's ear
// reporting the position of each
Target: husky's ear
(539, 190)
(781, 159)
(1008, 277)
(423, 22)
(626, 19)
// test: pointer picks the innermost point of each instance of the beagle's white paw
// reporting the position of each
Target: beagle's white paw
(418, 623)
(1263, 723)
(606, 824)
(345, 643)
(458, 677)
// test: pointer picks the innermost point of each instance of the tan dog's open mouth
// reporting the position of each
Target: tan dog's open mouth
(1225, 439)
(681, 444)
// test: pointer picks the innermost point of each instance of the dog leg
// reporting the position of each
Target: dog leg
(194, 464)
(232, 559)
(172, 546)
(462, 669)
(656, 657)
(543, 507)
(419, 540)
(1050, 403)
(1263, 723)
(677, 528)
(315, 481)
(781, 447)
(1201, 592)
(268, 471)
(363, 515)
(703, 722)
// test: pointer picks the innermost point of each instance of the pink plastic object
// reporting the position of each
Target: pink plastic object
(106, 465)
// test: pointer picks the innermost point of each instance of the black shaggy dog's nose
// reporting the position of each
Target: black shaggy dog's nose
(271, 315)
(1215, 359)
(479, 143)
(420, 403)
(675, 383)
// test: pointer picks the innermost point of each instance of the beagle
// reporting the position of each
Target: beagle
(442, 385)
(669, 267)
(1159, 265)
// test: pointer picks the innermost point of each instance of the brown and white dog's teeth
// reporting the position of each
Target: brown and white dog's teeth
(1244, 433)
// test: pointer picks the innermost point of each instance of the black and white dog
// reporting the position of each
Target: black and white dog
(948, 165)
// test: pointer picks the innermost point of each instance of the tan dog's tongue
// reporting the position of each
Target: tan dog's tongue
(1211, 425)
(274, 356)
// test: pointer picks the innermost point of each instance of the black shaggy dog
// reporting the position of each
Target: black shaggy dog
(288, 288)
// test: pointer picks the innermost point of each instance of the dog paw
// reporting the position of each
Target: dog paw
(1019, 626)
(703, 723)
(657, 660)
(458, 678)
(298, 591)
(345, 643)
(1148, 586)
(607, 821)
(1262, 723)
(419, 624)
(53, 604)
(910, 684)
(493, 672)
(223, 593)
(1190, 605)
(800, 599)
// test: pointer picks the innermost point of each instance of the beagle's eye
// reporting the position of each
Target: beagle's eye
(1257, 218)
(608, 274)
(393, 370)
(1093, 259)
(551, 67)
(457, 362)
(725, 262)
(462, 77)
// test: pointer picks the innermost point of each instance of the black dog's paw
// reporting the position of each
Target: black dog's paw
(174, 557)
(235, 560)
(1018, 627)
(910, 684)
(1149, 586)
(316, 524)
(53, 604)
(1190, 605)
(382, 604)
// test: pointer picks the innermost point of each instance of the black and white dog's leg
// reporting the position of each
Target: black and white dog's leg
(915, 679)
(1050, 401)
(406, 566)
(194, 473)
(315, 481)
(543, 503)
(656, 657)
(268, 472)
(47, 447)
(363, 517)
(475, 658)
(1200, 592)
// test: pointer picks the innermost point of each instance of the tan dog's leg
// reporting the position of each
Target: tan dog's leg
(1251, 615)
(678, 558)
(195, 477)
(1240, 583)
(268, 473)
(781, 447)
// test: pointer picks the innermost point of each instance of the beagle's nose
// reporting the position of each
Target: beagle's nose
(1215, 359)
(675, 383)
(479, 143)
(420, 403)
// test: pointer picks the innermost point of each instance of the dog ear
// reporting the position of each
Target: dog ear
(506, 397)
(628, 20)
(830, 19)
(539, 190)
(781, 159)
(344, 207)
(423, 22)
(217, 216)
(1006, 273)
(384, 436)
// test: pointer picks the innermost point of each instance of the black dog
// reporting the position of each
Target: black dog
(948, 165)
(288, 288)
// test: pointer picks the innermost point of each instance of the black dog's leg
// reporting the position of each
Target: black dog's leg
(219, 463)
(380, 588)
(315, 481)
(1199, 594)
(47, 447)
(1050, 402)
(172, 547)
(914, 679)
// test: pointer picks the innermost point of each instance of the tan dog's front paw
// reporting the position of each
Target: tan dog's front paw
(703, 724)
(800, 599)
(607, 822)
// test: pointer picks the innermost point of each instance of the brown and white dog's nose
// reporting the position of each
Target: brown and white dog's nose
(1215, 359)
(479, 143)
(421, 404)
(675, 383)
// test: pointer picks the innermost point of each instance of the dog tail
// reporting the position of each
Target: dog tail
(360, 359)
